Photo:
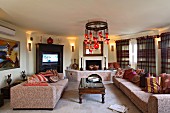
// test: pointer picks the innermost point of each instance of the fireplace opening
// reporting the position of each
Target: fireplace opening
(94, 63)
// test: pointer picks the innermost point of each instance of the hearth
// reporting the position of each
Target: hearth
(93, 62)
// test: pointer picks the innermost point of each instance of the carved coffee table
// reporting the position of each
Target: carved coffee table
(86, 87)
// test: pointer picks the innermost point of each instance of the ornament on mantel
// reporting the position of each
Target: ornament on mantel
(49, 40)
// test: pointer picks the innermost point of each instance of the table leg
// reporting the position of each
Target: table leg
(102, 98)
(80, 98)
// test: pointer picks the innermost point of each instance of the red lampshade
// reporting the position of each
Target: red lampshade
(96, 45)
(96, 31)
(85, 41)
(107, 35)
(90, 34)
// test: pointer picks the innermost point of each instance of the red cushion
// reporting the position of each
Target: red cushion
(110, 65)
(131, 75)
(116, 65)
(41, 78)
(47, 74)
(126, 74)
(36, 84)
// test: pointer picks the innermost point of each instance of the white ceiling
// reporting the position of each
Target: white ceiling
(68, 17)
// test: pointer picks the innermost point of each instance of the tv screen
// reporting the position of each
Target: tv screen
(50, 58)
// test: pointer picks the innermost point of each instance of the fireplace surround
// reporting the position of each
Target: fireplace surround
(94, 63)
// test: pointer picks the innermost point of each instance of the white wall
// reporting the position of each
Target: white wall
(20, 36)
(67, 41)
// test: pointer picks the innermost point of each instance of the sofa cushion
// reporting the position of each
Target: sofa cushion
(53, 78)
(153, 84)
(118, 80)
(131, 75)
(126, 73)
(140, 99)
(63, 82)
(128, 87)
(119, 73)
(41, 78)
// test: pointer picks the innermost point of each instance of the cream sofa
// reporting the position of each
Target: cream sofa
(37, 97)
(146, 102)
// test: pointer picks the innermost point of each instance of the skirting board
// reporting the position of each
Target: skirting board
(7, 31)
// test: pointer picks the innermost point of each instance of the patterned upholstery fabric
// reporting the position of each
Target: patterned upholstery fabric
(146, 102)
(140, 99)
(128, 87)
(160, 102)
(36, 97)
(153, 84)
(117, 81)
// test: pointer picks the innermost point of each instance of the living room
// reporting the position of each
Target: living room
(64, 22)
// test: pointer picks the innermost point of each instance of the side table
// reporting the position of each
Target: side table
(1, 100)
(5, 91)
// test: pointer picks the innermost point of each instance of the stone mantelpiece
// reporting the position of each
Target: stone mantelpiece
(94, 58)
(76, 75)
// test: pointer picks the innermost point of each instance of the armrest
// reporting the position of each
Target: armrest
(159, 103)
(38, 96)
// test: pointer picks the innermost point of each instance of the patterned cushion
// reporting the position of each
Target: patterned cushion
(46, 73)
(119, 73)
(153, 84)
(138, 71)
(53, 78)
(165, 82)
(41, 78)
(32, 79)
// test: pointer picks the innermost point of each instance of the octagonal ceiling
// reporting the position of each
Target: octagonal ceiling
(68, 17)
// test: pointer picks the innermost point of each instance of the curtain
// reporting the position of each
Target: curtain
(122, 50)
(146, 54)
(165, 52)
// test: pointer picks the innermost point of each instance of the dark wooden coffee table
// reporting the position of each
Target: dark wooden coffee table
(86, 87)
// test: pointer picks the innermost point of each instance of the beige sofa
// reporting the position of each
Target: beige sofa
(146, 102)
(37, 97)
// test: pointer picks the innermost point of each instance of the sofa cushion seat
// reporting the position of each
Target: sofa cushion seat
(60, 83)
(141, 99)
(131, 86)
(117, 81)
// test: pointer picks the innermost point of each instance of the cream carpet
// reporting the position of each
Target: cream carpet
(69, 103)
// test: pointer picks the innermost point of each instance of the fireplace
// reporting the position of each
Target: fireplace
(93, 62)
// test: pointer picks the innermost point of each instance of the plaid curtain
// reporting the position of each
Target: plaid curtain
(146, 54)
(165, 52)
(122, 49)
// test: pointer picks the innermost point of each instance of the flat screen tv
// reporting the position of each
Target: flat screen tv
(50, 58)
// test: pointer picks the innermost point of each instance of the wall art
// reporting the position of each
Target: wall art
(9, 54)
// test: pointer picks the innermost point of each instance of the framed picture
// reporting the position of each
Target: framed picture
(9, 54)
(95, 52)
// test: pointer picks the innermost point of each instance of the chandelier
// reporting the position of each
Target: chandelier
(95, 32)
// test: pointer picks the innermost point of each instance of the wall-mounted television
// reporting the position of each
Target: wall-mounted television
(49, 58)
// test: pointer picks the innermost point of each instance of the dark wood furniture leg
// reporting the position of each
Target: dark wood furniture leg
(80, 98)
(102, 98)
